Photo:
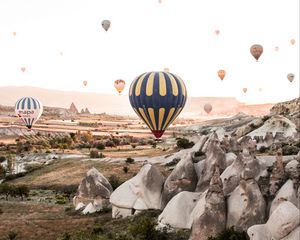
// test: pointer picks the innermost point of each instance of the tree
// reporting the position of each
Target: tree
(22, 191)
(5, 189)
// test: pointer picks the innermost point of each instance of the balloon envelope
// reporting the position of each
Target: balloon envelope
(217, 32)
(221, 74)
(256, 50)
(157, 98)
(207, 108)
(29, 110)
(290, 77)
(23, 69)
(85, 83)
(106, 24)
(119, 85)
(293, 41)
(166, 70)
(245, 90)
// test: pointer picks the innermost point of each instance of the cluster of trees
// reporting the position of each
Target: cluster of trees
(14, 191)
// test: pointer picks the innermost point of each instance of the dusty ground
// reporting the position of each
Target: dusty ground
(39, 221)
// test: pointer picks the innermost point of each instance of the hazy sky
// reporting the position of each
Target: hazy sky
(146, 35)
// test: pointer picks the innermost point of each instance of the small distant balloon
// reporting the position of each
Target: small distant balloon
(207, 108)
(217, 32)
(106, 24)
(245, 90)
(293, 41)
(85, 83)
(166, 70)
(23, 69)
(221, 74)
(260, 89)
(61, 53)
(276, 49)
(256, 50)
(14, 34)
(159, 1)
(290, 77)
(119, 85)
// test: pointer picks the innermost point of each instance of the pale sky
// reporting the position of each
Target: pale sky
(146, 35)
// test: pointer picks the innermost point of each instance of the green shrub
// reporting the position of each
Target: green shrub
(129, 160)
(2, 159)
(12, 234)
(263, 149)
(230, 234)
(199, 153)
(96, 154)
(184, 143)
(290, 150)
(125, 169)
(114, 181)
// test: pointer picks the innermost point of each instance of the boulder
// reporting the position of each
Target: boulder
(294, 235)
(94, 187)
(182, 178)
(138, 193)
(213, 219)
(281, 223)
(246, 205)
(230, 157)
(215, 156)
(178, 212)
(285, 193)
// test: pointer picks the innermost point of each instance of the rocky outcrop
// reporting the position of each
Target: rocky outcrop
(87, 111)
(94, 191)
(282, 222)
(139, 193)
(286, 193)
(73, 109)
(215, 156)
(246, 205)
(286, 108)
(182, 178)
(278, 176)
(213, 219)
(178, 212)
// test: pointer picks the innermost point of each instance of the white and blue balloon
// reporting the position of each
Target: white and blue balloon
(29, 110)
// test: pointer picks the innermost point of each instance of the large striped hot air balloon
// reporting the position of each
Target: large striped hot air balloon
(29, 110)
(158, 98)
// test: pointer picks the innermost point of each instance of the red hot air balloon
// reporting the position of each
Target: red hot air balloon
(23, 69)
(207, 108)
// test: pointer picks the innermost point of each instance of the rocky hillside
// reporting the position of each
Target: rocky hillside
(291, 108)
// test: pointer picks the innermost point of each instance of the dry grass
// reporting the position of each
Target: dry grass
(39, 221)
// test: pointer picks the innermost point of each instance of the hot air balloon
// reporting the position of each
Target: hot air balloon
(85, 83)
(221, 74)
(293, 41)
(256, 50)
(119, 85)
(207, 108)
(14, 34)
(23, 69)
(217, 32)
(276, 49)
(166, 70)
(61, 53)
(29, 110)
(106, 24)
(260, 89)
(290, 77)
(245, 90)
(157, 98)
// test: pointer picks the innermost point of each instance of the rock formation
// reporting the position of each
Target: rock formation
(182, 178)
(94, 190)
(277, 177)
(138, 193)
(73, 109)
(213, 219)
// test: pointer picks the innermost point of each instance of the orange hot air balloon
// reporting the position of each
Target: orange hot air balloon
(166, 70)
(256, 50)
(119, 85)
(85, 83)
(23, 69)
(221, 74)
(245, 90)
(276, 49)
(293, 41)
(207, 108)
(217, 32)
(14, 34)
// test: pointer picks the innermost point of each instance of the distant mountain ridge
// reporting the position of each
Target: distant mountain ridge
(115, 104)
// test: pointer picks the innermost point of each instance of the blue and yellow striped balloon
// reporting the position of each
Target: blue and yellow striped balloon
(157, 98)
